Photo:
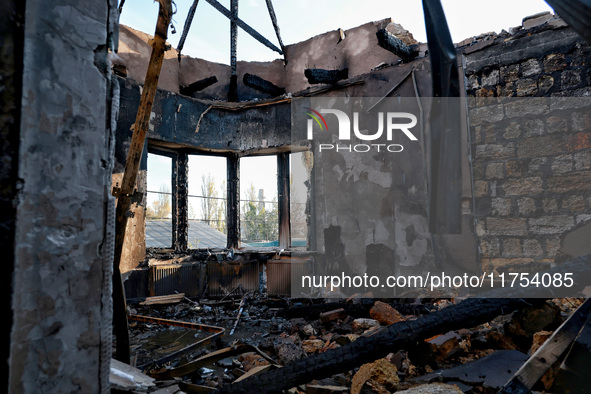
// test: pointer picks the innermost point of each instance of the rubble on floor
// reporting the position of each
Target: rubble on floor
(273, 332)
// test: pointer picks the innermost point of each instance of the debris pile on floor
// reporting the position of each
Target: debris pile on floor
(270, 333)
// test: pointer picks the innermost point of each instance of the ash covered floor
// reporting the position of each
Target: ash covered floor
(274, 332)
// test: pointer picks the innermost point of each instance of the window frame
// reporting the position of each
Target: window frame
(180, 204)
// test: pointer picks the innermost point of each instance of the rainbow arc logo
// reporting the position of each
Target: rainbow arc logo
(318, 118)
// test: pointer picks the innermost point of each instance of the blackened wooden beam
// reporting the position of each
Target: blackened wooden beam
(318, 75)
(198, 86)
(244, 26)
(275, 24)
(233, 207)
(284, 200)
(125, 191)
(391, 43)
(186, 28)
(262, 85)
(182, 196)
(233, 88)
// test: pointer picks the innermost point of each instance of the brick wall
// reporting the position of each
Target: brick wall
(530, 135)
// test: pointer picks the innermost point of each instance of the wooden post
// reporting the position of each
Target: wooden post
(182, 193)
(175, 203)
(125, 192)
(284, 196)
(233, 207)
(233, 88)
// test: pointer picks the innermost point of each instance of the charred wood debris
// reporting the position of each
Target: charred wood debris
(364, 345)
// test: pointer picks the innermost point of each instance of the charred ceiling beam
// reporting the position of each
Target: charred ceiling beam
(262, 85)
(391, 43)
(257, 36)
(577, 13)
(318, 75)
(233, 88)
(445, 191)
(125, 192)
(187, 26)
(198, 86)
(275, 25)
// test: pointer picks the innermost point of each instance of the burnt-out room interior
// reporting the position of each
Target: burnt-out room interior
(178, 224)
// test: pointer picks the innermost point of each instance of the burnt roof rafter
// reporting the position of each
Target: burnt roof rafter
(234, 19)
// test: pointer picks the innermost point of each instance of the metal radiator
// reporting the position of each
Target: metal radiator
(224, 277)
(168, 279)
(279, 274)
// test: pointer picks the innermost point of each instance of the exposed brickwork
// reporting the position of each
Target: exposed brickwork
(531, 157)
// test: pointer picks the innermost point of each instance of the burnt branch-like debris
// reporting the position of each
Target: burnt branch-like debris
(262, 85)
(198, 86)
(391, 43)
(318, 75)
